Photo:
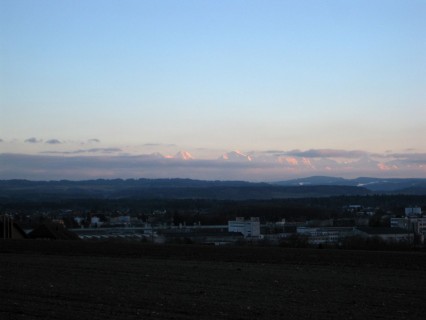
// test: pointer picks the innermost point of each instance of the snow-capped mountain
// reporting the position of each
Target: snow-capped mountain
(296, 162)
(183, 155)
(235, 156)
(303, 163)
(152, 156)
(292, 165)
(364, 162)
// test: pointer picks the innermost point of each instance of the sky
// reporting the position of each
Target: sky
(252, 89)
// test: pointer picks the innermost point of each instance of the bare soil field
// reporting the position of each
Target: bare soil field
(113, 280)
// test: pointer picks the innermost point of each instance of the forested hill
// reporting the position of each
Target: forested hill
(163, 189)
(409, 186)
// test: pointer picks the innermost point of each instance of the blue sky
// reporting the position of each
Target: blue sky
(213, 76)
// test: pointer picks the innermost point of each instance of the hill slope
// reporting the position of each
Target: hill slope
(164, 189)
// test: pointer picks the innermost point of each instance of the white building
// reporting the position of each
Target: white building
(412, 224)
(95, 222)
(403, 223)
(387, 234)
(421, 226)
(249, 228)
(121, 220)
(325, 235)
(413, 211)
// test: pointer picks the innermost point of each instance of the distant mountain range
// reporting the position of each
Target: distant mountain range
(233, 165)
(316, 186)
(378, 185)
(162, 189)
(235, 156)
(309, 165)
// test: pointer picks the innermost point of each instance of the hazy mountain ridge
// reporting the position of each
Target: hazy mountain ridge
(165, 188)
(393, 185)
(234, 165)
(315, 186)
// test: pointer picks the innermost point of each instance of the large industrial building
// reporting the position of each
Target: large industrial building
(250, 228)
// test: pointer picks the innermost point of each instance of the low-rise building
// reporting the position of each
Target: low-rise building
(52, 231)
(326, 235)
(386, 234)
(250, 228)
(421, 226)
(402, 223)
(413, 212)
(412, 224)
(9, 229)
(204, 236)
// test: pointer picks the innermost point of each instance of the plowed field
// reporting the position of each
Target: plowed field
(110, 280)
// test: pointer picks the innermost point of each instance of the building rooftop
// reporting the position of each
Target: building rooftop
(381, 230)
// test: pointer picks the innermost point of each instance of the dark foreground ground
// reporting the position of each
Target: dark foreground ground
(110, 280)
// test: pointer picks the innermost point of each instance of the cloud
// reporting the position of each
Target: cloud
(110, 163)
(82, 151)
(53, 141)
(79, 167)
(159, 145)
(102, 150)
(323, 153)
(33, 140)
(409, 158)
(94, 140)
(1, 140)
(278, 152)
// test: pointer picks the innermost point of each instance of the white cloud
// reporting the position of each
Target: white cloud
(323, 153)
(159, 145)
(104, 163)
